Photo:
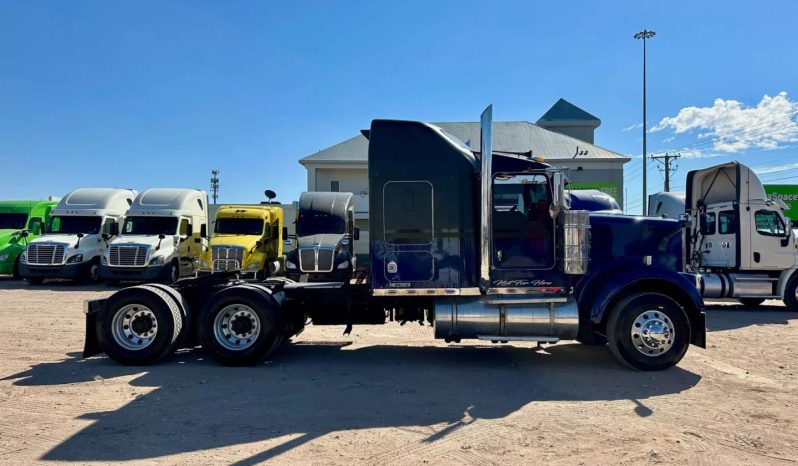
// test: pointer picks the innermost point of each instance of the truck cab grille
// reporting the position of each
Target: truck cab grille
(316, 259)
(46, 253)
(128, 255)
(226, 258)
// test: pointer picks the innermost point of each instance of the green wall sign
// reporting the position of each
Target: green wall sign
(788, 193)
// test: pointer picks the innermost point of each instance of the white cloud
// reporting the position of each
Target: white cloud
(630, 128)
(669, 139)
(733, 127)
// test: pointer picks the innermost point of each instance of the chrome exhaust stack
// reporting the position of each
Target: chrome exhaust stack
(486, 214)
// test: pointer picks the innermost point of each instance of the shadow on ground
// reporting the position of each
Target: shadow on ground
(315, 389)
(729, 317)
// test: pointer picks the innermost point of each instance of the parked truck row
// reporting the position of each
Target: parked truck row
(480, 245)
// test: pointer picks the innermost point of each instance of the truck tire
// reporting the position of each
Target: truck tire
(15, 272)
(791, 293)
(139, 325)
(93, 274)
(240, 325)
(185, 311)
(648, 331)
(171, 273)
(751, 302)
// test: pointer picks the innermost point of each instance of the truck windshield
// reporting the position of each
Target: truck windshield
(78, 224)
(317, 223)
(150, 226)
(239, 226)
(12, 221)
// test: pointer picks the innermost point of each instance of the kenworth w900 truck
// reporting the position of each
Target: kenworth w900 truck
(247, 240)
(162, 238)
(480, 245)
(20, 222)
(80, 227)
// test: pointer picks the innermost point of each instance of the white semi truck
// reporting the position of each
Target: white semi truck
(741, 245)
(162, 239)
(77, 234)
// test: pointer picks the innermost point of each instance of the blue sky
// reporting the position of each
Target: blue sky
(145, 94)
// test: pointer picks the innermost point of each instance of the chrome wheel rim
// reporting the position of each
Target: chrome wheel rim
(653, 333)
(236, 327)
(134, 327)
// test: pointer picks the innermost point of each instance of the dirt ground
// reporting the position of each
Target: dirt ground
(393, 395)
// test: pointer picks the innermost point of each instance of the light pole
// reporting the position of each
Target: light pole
(644, 34)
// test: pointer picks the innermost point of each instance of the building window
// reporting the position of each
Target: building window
(335, 186)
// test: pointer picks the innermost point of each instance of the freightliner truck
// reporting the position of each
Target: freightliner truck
(477, 244)
(247, 240)
(20, 222)
(80, 227)
(161, 239)
(742, 245)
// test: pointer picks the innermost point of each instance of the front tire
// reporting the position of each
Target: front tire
(15, 272)
(648, 331)
(171, 273)
(791, 294)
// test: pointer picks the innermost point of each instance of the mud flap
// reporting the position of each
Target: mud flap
(91, 345)
(698, 322)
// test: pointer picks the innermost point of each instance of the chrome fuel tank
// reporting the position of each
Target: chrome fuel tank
(485, 317)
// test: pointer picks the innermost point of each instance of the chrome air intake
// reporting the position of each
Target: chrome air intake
(547, 319)
(576, 241)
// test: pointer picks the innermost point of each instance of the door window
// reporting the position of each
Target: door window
(708, 226)
(183, 226)
(727, 222)
(769, 223)
(523, 230)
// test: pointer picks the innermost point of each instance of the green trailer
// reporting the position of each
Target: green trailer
(20, 222)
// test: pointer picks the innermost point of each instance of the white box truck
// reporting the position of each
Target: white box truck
(77, 234)
(162, 238)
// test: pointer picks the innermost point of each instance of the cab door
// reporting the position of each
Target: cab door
(719, 228)
(771, 247)
(523, 230)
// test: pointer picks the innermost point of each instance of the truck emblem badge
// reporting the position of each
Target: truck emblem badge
(392, 267)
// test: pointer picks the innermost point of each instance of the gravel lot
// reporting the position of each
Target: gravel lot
(391, 394)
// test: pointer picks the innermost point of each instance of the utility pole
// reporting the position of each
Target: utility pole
(666, 160)
(644, 35)
(214, 185)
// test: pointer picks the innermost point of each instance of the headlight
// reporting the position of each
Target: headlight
(203, 264)
(290, 265)
(3, 257)
(343, 265)
(157, 260)
(253, 266)
(103, 260)
(75, 258)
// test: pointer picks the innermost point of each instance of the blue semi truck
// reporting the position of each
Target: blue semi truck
(481, 245)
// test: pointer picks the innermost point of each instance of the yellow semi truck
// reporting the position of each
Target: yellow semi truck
(247, 239)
